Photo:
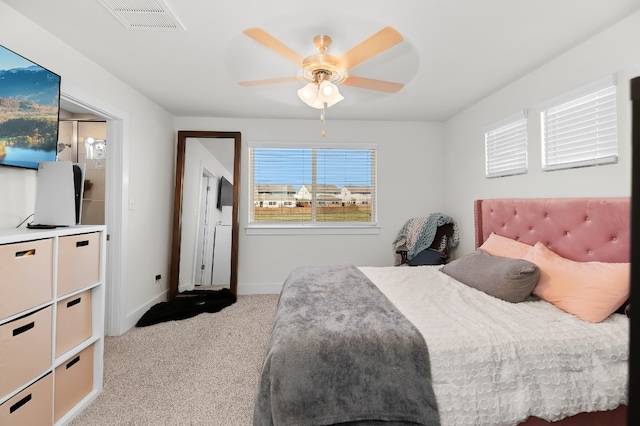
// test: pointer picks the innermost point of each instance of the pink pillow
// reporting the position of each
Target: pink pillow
(498, 245)
(589, 290)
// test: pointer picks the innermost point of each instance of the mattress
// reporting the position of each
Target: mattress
(498, 363)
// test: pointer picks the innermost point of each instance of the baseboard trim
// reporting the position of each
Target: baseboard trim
(133, 317)
(259, 288)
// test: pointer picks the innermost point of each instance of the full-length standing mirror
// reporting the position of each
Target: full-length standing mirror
(205, 216)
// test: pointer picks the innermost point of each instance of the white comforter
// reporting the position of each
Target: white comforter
(497, 363)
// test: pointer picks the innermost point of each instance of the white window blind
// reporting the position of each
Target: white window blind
(580, 128)
(506, 146)
(313, 185)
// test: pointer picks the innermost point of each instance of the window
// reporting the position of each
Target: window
(506, 146)
(306, 186)
(580, 128)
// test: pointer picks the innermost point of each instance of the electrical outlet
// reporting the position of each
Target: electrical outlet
(158, 278)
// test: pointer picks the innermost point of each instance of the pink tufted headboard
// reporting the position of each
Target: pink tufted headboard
(580, 229)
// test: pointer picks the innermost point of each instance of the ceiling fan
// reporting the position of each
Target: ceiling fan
(323, 71)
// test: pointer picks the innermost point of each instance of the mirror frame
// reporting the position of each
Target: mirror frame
(183, 135)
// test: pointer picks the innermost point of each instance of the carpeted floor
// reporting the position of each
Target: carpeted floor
(198, 371)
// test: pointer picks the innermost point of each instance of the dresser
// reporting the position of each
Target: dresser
(52, 307)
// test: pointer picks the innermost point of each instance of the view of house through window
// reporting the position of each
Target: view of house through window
(312, 185)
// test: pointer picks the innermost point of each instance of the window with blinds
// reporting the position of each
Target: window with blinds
(312, 185)
(506, 146)
(580, 128)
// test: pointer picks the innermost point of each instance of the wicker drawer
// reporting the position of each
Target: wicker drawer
(78, 262)
(25, 349)
(26, 279)
(32, 406)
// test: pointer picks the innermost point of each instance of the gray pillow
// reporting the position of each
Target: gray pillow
(508, 279)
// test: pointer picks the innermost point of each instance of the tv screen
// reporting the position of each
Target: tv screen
(225, 193)
(29, 111)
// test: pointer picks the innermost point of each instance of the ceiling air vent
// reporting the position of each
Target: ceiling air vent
(149, 15)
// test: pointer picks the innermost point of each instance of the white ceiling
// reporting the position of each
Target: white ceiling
(454, 53)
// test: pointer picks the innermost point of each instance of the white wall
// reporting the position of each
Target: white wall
(149, 179)
(410, 183)
(616, 50)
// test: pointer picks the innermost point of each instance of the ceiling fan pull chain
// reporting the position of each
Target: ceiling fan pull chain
(322, 111)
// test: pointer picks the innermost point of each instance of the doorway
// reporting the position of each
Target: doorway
(212, 254)
(78, 136)
(115, 200)
(206, 231)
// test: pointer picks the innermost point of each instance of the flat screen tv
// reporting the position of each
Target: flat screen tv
(225, 193)
(29, 111)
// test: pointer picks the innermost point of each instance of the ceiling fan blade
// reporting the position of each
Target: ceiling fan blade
(377, 43)
(270, 81)
(372, 84)
(269, 41)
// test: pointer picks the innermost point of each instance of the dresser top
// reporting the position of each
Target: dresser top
(14, 235)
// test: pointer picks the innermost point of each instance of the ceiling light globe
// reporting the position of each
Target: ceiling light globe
(309, 95)
(327, 90)
(329, 93)
(310, 90)
(335, 100)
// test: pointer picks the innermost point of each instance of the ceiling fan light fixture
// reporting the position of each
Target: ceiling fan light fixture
(329, 93)
(309, 95)
(309, 91)
(321, 92)
(335, 100)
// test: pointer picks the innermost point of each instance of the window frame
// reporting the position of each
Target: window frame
(506, 124)
(311, 228)
(590, 89)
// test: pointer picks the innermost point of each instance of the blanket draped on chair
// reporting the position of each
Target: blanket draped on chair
(418, 233)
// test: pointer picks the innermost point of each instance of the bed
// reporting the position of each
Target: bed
(416, 345)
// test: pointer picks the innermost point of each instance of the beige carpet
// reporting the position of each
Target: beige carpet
(199, 371)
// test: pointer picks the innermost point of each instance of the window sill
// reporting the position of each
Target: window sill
(312, 230)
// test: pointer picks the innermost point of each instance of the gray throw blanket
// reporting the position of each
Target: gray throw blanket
(340, 352)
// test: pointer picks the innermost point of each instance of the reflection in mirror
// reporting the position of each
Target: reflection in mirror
(205, 239)
(205, 211)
